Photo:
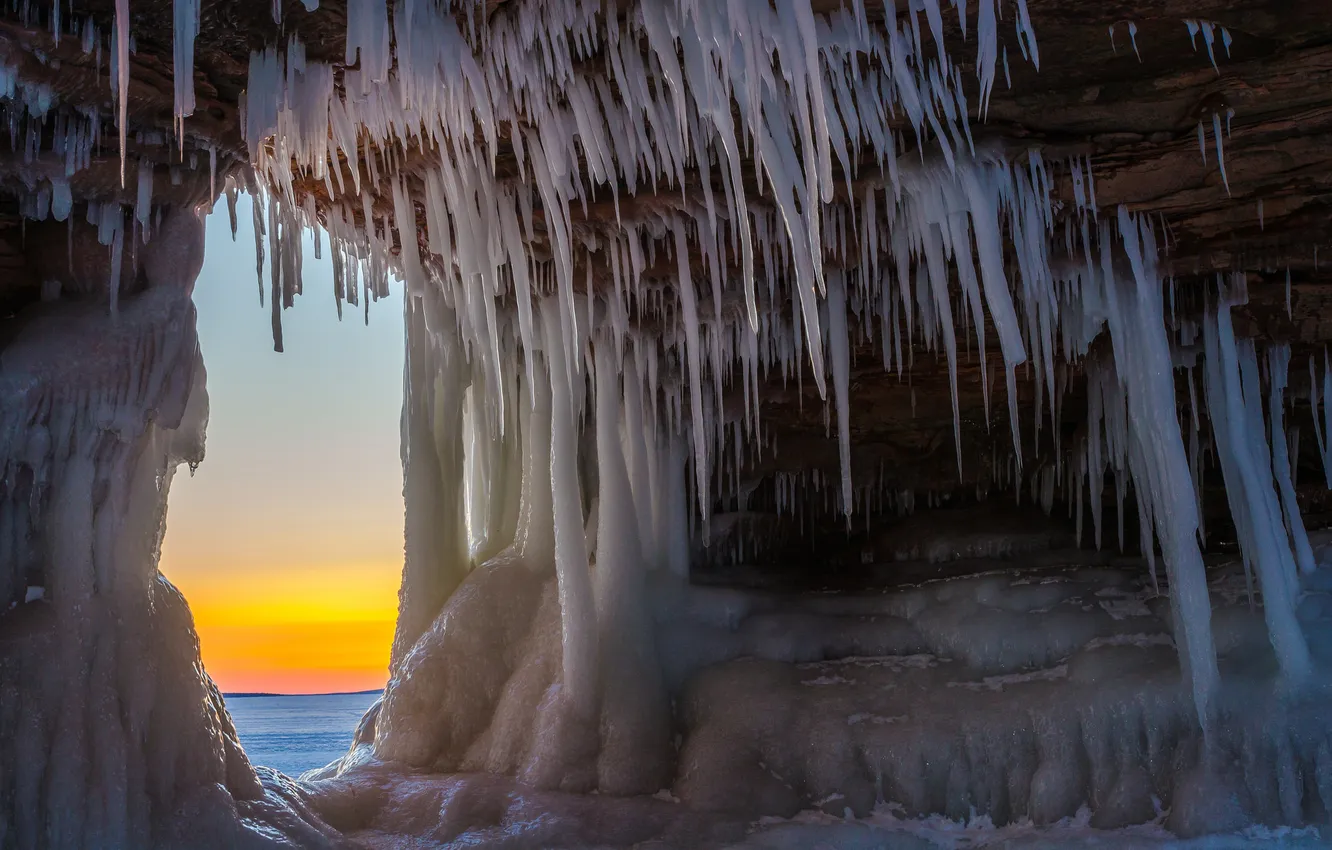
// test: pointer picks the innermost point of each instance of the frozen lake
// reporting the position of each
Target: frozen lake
(294, 734)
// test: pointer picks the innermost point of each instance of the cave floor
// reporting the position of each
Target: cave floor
(1041, 691)
(483, 811)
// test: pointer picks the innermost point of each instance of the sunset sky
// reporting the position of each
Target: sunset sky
(287, 541)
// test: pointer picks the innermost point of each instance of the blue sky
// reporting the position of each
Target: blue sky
(295, 515)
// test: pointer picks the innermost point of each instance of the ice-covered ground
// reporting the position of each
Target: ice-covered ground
(492, 812)
(1024, 706)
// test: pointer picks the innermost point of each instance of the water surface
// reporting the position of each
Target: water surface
(294, 734)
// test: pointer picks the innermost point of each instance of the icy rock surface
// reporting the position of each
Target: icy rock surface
(387, 812)
(1021, 696)
(1015, 696)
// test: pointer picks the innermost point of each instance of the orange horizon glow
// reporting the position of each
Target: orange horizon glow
(310, 630)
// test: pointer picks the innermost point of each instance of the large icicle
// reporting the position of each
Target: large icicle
(577, 611)
(122, 77)
(1232, 399)
(435, 380)
(185, 20)
(1156, 456)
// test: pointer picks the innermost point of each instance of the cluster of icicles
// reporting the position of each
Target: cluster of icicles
(700, 294)
(627, 241)
(57, 141)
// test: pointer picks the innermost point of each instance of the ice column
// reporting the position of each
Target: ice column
(578, 617)
(435, 380)
(635, 722)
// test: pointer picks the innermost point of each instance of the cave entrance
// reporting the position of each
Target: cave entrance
(287, 539)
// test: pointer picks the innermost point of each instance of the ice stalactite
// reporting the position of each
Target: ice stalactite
(641, 457)
(1278, 367)
(185, 19)
(839, 355)
(122, 75)
(497, 441)
(535, 536)
(1234, 403)
(1132, 404)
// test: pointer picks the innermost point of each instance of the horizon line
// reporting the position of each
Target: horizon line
(325, 694)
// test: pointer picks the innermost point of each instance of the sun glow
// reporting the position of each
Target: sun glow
(287, 542)
(283, 629)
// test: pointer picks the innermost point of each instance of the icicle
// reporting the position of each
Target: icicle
(839, 352)
(1220, 153)
(122, 77)
(185, 20)
(1208, 39)
(1278, 363)
(1248, 476)
(143, 204)
(693, 352)
(1156, 456)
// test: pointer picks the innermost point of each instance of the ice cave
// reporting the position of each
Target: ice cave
(827, 423)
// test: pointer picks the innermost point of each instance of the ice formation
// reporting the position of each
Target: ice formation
(117, 739)
(670, 314)
(620, 228)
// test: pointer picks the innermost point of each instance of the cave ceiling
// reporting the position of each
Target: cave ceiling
(1128, 104)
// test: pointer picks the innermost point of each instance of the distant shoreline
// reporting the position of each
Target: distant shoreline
(334, 694)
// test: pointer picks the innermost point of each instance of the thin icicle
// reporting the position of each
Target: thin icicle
(122, 77)
(1220, 152)
(839, 353)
